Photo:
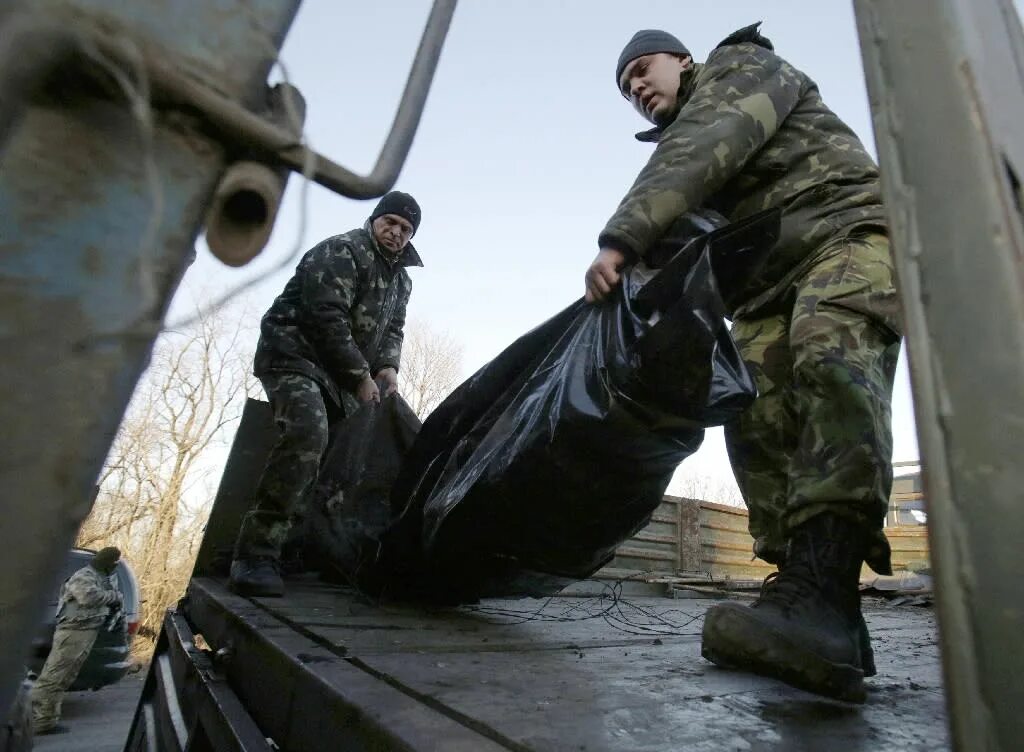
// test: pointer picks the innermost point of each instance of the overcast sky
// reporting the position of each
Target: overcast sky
(524, 150)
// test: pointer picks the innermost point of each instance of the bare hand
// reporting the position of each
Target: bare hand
(390, 378)
(367, 390)
(603, 274)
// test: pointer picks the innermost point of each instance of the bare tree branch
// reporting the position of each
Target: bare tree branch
(693, 485)
(153, 502)
(431, 367)
(193, 391)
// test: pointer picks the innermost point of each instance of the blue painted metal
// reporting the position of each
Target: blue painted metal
(229, 43)
(81, 294)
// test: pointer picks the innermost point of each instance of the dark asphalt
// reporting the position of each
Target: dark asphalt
(96, 721)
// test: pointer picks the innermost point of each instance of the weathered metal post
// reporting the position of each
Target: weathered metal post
(98, 216)
(115, 126)
(946, 80)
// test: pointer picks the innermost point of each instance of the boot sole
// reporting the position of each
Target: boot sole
(726, 642)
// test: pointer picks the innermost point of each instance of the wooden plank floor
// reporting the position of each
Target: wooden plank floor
(619, 673)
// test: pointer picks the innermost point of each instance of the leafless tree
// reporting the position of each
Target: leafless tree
(694, 485)
(152, 501)
(154, 497)
(431, 367)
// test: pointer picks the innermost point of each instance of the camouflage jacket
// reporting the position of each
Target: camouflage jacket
(752, 133)
(341, 314)
(86, 598)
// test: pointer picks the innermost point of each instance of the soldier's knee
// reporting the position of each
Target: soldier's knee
(843, 361)
(305, 437)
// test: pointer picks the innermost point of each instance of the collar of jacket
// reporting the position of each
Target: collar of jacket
(408, 257)
(687, 79)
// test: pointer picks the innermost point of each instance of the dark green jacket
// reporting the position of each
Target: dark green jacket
(341, 315)
(752, 133)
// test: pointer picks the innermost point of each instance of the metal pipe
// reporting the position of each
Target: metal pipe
(243, 212)
(64, 282)
(240, 126)
(29, 52)
(34, 51)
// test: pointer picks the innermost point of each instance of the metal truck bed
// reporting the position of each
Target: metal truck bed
(606, 672)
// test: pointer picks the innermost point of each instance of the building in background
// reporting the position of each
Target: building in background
(907, 506)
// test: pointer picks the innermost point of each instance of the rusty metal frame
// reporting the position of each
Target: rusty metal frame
(239, 126)
(187, 703)
(83, 280)
(946, 82)
(85, 275)
(31, 51)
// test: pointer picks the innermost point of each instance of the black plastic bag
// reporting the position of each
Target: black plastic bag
(535, 469)
(350, 505)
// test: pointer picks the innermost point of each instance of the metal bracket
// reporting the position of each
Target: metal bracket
(31, 51)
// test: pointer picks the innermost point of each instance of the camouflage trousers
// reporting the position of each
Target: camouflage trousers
(302, 416)
(67, 654)
(819, 438)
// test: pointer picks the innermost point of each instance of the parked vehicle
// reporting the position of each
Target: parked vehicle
(109, 659)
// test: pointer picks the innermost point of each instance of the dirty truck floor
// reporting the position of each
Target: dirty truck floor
(613, 673)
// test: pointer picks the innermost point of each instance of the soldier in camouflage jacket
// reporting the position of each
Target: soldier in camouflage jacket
(327, 340)
(88, 600)
(818, 323)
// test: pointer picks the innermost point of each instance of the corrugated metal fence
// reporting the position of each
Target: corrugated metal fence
(657, 548)
(693, 537)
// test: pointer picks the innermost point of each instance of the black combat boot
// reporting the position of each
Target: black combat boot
(257, 576)
(806, 628)
(867, 655)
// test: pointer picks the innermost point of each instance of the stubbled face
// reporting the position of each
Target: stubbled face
(392, 232)
(651, 84)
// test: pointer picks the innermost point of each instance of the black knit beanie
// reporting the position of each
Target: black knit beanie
(400, 204)
(105, 559)
(647, 42)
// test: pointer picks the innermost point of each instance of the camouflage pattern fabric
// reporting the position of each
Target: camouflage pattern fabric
(752, 133)
(818, 438)
(69, 650)
(340, 316)
(85, 599)
(302, 416)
